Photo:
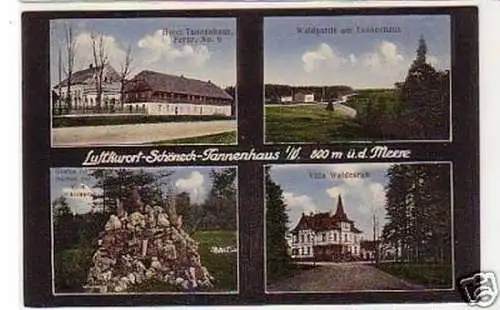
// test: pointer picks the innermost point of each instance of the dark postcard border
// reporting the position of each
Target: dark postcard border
(38, 157)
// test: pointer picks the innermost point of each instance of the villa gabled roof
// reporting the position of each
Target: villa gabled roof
(325, 221)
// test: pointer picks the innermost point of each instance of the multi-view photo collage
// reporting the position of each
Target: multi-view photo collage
(348, 87)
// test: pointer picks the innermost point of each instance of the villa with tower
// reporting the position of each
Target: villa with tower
(326, 236)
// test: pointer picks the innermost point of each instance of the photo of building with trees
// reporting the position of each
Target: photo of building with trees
(132, 230)
(390, 229)
(143, 81)
(372, 78)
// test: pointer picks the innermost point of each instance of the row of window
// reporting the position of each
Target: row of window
(322, 237)
(302, 251)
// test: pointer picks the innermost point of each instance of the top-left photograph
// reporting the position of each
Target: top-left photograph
(143, 81)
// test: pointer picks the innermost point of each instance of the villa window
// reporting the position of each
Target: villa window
(323, 237)
(335, 237)
(345, 237)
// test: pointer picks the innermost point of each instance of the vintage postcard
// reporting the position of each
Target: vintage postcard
(359, 227)
(357, 78)
(143, 81)
(151, 230)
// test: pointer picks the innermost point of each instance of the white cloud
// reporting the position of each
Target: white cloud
(320, 56)
(192, 185)
(158, 47)
(83, 55)
(301, 203)
(385, 55)
(433, 61)
(368, 195)
(380, 66)
(335, 191)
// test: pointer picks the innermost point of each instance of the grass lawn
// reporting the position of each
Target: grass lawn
(220, 138)
(308, 124)
(427, 274)
(224, 266)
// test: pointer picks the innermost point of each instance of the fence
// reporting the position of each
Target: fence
(105, 109)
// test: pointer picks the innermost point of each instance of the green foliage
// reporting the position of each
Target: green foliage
(377, 114)
(219, 138)
(117, 183)
(278, 259)
(429, 275)
(419, 212)
(71, 268)
(223, 266)
(426, 99)
(104, 120)
(219, 209)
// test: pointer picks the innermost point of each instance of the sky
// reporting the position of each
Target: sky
(193, 180)
(362, 197)
(359, 60)
(151, 48)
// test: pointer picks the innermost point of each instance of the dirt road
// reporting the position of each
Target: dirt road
(136, 134)
(342, 277)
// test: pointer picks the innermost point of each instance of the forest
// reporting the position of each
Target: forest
(419, 213)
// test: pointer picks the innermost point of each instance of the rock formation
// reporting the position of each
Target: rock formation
(142, 243)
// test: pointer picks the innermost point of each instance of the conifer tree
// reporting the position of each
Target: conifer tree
(278, 260)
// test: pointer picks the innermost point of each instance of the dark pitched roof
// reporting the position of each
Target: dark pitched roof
(325, 221)
(81, 76)
(156, 81)
(317, 222)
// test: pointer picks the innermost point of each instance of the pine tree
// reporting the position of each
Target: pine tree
(418, 212)
(221, 201)
(278, 260)
(117, 184)
(425, 96)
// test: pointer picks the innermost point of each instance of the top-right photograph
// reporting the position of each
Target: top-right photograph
(357, 79)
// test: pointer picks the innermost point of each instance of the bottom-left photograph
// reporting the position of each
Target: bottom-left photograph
(144, 230)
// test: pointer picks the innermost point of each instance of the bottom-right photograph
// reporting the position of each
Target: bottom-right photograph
(359, 227)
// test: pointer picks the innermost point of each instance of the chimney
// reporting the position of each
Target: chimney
(91, 66)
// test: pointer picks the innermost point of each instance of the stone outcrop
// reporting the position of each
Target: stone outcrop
(146, 243)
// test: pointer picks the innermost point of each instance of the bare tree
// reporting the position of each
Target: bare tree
(71, 45)
(100, 59)
(125, 71)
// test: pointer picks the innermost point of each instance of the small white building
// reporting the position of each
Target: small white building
(286, 99)
(304, 97)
